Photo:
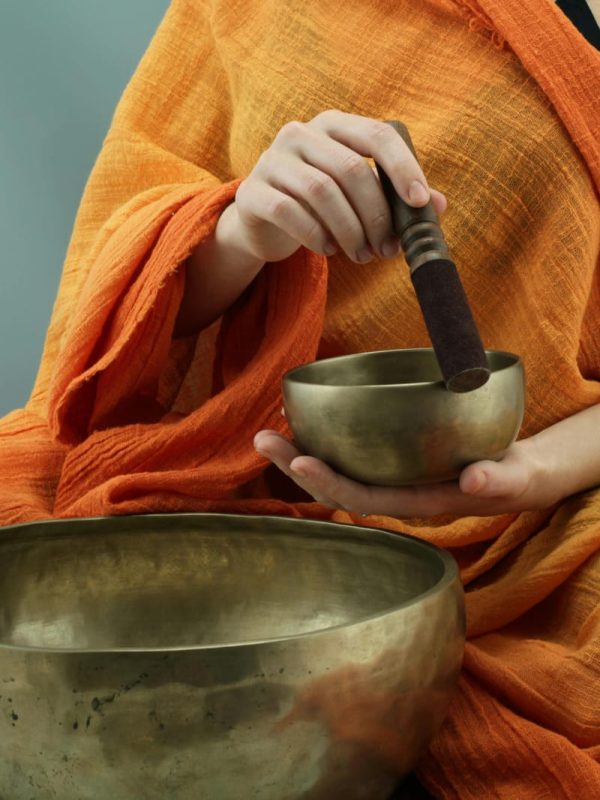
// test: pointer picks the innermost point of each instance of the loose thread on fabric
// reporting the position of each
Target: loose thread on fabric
(479, 22)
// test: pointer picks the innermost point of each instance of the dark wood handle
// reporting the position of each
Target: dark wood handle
(444, 305)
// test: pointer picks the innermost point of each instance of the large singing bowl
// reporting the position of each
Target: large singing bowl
(386, 418)
(214, 657)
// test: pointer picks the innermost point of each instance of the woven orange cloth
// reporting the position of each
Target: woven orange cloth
(501, 97)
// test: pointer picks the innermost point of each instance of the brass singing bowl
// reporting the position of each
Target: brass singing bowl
(215, 657)
(386, 418)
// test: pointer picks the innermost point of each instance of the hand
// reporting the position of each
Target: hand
(314, 187)
(523, 480)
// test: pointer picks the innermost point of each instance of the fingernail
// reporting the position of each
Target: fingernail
(390, 247)
(261, 452)
(418, 194)
(299, 471)
(330, 248)
(478, 483)
(364, 254)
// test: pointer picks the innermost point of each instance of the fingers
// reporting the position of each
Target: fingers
(402, 502)
(347, 196)
(317, 478)
(277, 449)
(325, 485)
(262, 202)
(370, 137)
(282, 452)
(366, 225)
(484, 489)
(438, 201)
(336, 491)
(315, 185)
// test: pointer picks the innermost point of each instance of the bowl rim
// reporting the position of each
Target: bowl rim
(314, 527)
(292, 377)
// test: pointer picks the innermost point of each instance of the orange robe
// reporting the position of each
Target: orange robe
(501, 97)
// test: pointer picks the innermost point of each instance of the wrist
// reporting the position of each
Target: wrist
(229, 236)
(565, 457)
(217, 271)
(546, 480)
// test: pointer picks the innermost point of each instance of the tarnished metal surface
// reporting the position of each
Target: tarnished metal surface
(219, 657)
(386, 418)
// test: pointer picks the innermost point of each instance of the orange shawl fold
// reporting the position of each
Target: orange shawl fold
(124, 419)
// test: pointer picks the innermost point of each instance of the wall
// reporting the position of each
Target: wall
(63, 66)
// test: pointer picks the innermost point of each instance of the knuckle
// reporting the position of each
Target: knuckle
(243, 197)
(353, 166)
(262, 161)
(327, 115)
(380, 220)
(279, 206)
(381, 131)
(319, 185)
(291, 131)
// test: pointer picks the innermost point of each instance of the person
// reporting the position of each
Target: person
(233, 227)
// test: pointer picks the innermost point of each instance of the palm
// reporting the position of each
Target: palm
(515, 483)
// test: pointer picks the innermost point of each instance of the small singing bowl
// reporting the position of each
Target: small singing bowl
(386, 418)
(220, 657)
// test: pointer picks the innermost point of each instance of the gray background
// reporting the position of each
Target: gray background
(63, 66)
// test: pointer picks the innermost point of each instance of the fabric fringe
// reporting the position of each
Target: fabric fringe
(479, 22)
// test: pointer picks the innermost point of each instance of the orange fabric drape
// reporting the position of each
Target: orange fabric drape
(501, 97)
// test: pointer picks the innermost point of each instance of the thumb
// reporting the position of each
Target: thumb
(505, 478)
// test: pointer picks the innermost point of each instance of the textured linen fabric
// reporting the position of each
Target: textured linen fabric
(501, 97)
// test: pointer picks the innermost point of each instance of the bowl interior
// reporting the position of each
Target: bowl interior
(178, 581)
(384, 368)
